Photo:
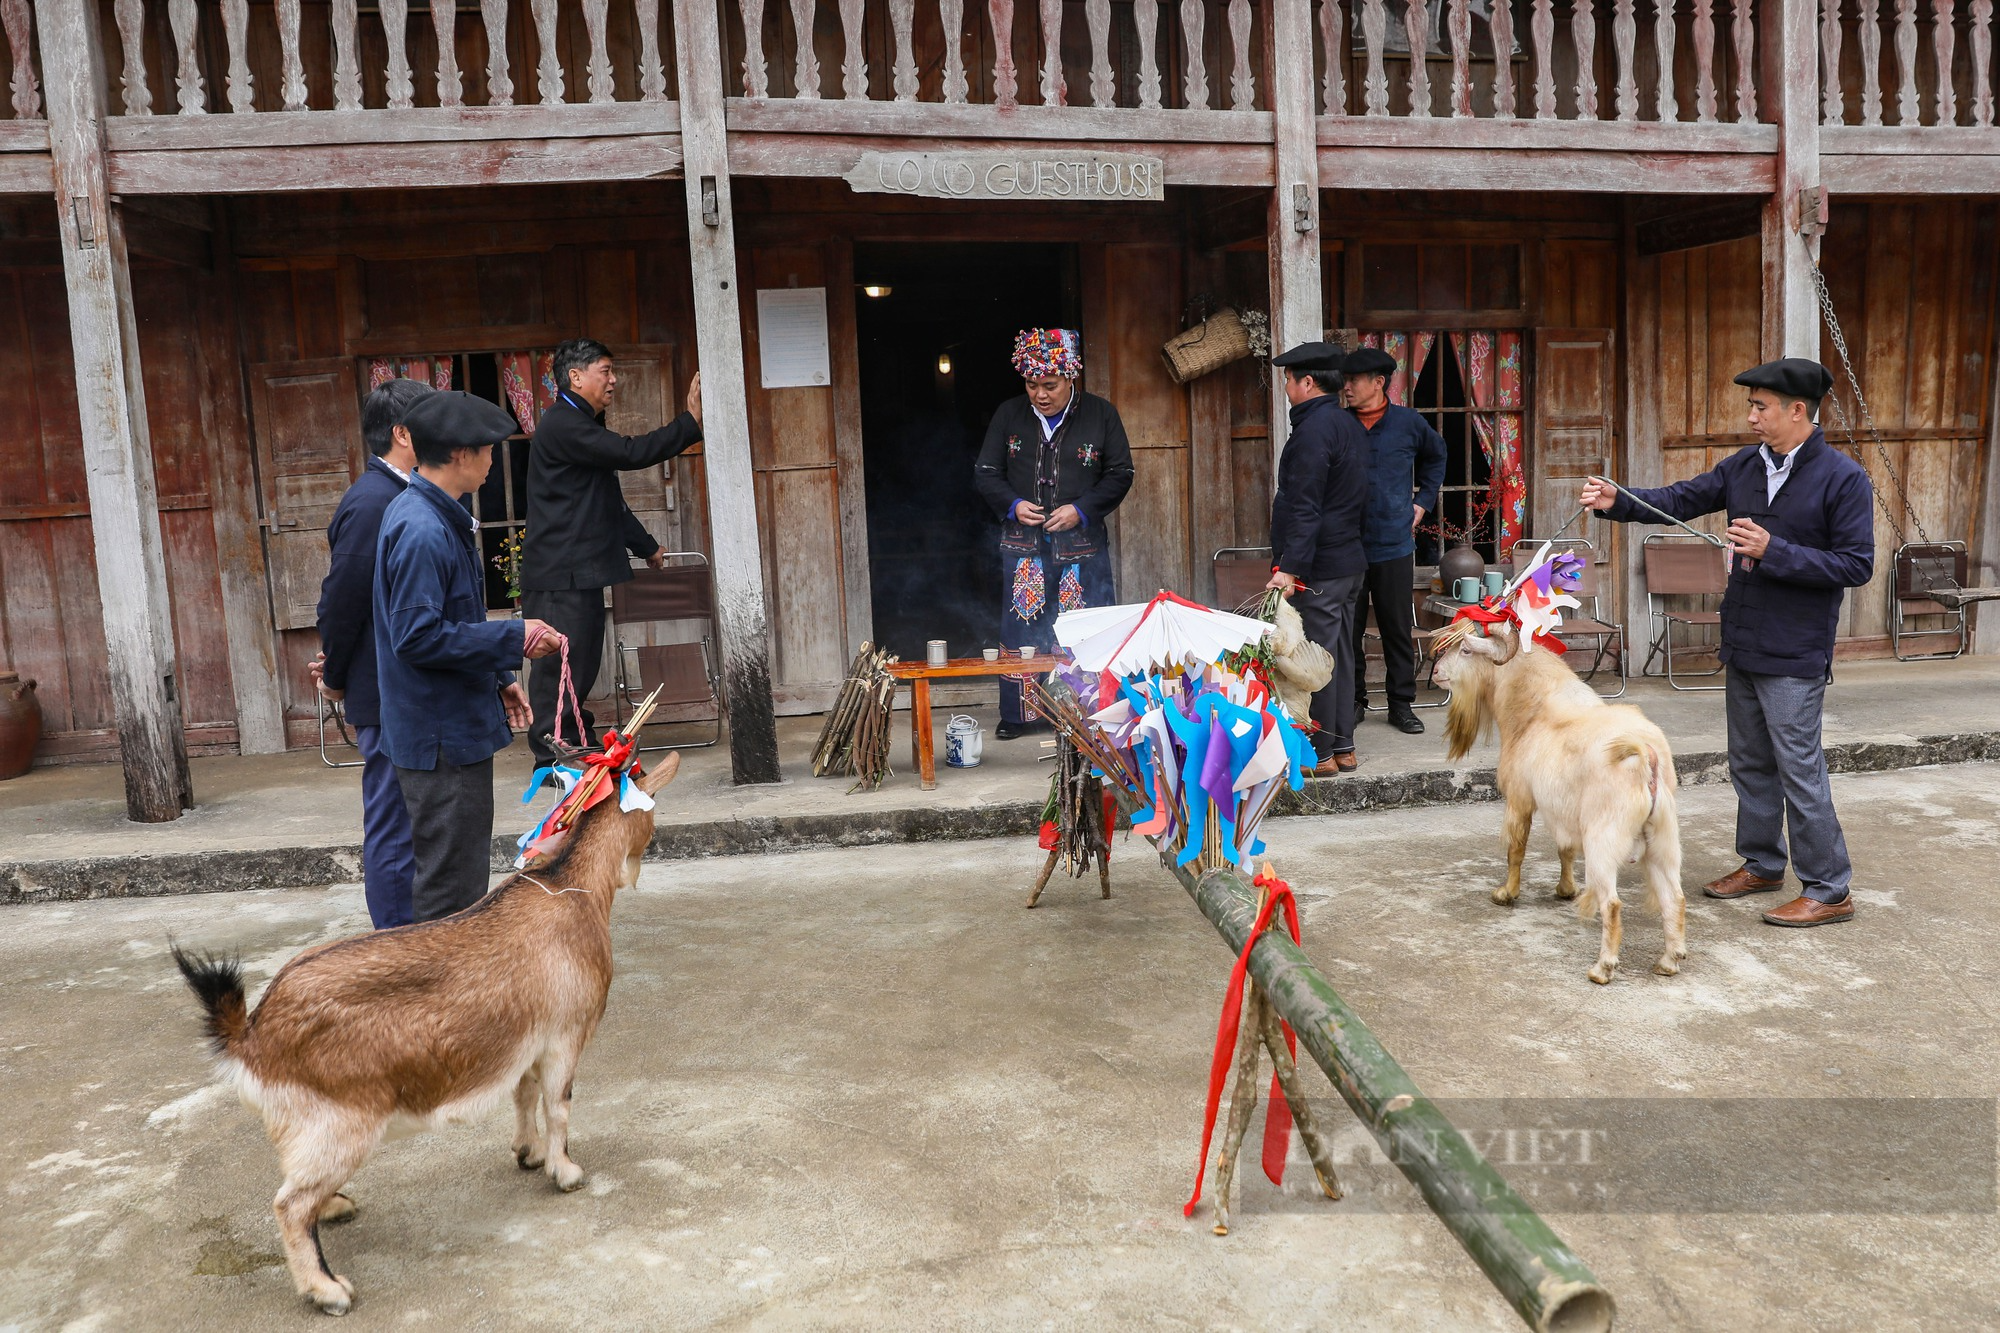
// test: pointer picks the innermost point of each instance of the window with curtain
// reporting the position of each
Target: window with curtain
(1473, 396)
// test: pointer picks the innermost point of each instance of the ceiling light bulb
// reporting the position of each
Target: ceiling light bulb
(877, 292)
(944, 363)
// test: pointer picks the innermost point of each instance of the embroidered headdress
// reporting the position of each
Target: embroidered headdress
(1040, 352)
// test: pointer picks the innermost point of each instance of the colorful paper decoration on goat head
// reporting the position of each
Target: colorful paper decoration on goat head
(1534, 601)
(578, 794)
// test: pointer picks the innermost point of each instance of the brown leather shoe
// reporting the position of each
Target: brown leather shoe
(1804, 911)
(1742, 883)
(1334, 765)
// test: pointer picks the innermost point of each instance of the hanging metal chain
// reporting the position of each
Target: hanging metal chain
(1868, 419)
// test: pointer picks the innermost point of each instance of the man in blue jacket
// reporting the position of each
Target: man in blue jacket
(1405, 470)
(345, 670)
(1801, 532)
(447, 672)
(1316, 534)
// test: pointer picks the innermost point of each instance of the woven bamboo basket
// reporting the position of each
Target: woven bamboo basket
(1208, 346)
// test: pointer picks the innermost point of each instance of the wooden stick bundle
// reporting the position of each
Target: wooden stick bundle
(1077, 796)
(855, 740)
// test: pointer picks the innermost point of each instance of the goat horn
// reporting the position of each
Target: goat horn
(1506, 648)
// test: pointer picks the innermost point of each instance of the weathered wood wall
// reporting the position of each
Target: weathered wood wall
(1914, 290)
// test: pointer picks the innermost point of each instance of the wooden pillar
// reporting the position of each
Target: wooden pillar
(1294, 237)
(111, 405)
(1791, 303)
(732, 497)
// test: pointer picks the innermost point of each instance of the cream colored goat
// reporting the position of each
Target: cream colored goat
(403, 1030)
(1602, 777)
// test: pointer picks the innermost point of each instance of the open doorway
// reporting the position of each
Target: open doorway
(936, 326)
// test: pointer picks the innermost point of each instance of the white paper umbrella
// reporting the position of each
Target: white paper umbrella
(1164, 632)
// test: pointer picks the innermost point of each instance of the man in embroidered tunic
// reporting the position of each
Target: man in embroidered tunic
(1055, 464)
(1801, 533)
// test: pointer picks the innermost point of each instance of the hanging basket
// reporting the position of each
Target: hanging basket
(1209, 346)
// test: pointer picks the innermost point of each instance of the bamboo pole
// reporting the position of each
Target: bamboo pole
(1541, 1277)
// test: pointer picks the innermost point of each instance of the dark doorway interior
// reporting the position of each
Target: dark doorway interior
(934, 366)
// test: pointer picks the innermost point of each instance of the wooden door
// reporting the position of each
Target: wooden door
(1133, 304)
(648, 399)
(1574, 434)
(307, 419)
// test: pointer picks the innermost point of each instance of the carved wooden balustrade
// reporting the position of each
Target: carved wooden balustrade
(1906, 62)
(189, 58)
(1616, 60)
(1197, 55)
(17, 62)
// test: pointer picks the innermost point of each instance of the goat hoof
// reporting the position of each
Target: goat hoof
(1601, 974)
(1567, 892)
(1666, 967)
(334, 1296)
(339, 1208)
(528, 1157)
(1502, 897)
(568, 1177)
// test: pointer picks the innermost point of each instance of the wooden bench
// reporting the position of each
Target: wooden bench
(921, 674)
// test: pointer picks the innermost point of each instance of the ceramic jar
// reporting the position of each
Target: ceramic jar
(20, 724)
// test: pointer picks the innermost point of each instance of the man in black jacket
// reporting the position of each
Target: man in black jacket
(345, 670)
(1055, 464)
(1316, 534)
(579, 528)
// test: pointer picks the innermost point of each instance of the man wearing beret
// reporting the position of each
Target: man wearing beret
(1316, 545)
(449, 696)
(1801, 532)
(1405, 470)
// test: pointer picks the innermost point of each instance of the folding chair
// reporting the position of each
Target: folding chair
(680, 595)
(1681, 566)
(1591, 625)
(1426, 663)
(1922, 567)
(1240, 574)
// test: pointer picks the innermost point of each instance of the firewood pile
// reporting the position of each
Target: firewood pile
(855, 741)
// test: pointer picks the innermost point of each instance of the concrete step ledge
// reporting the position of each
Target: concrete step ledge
(151, 876)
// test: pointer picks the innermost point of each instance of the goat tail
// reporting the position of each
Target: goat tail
(217, 982)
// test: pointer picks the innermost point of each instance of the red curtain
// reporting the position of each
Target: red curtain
(1490, 365)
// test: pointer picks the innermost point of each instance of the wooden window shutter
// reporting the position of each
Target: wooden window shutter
(1574, 434)
(308, 429)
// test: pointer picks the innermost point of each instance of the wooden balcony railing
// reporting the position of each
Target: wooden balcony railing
(17, 51)
(1197, 55)
(1534, 59)
(1939, 70)
(354, 55)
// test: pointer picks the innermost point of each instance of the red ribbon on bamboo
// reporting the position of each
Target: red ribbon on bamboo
(1278, 1114)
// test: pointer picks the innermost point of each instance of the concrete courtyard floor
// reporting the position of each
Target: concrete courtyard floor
(864, 1089)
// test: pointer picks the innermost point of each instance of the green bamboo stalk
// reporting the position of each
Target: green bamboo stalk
(1540, 1276)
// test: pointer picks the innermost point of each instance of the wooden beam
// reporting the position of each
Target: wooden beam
(25, 173)
(111, 407)
(1913, 173)
(395, 166)
(1569, 136)
(810, 155)
(857, 591)
(1790, 324)
(1292, 230)
(429, 124)
(1985, 552)
(933, 121)
(1550, 169)
(718, 321)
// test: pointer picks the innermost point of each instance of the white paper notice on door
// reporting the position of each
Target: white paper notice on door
(791, 337)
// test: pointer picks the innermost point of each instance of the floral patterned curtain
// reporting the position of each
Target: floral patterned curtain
(432, 370)
(1409, 369)
(1490, 365)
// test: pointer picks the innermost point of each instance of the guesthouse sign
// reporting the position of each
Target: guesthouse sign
(1059, 177)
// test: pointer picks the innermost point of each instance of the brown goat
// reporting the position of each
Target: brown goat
(1602, 775)
(399, 1031)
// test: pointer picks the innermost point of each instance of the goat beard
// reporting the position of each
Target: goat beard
(1464, 719)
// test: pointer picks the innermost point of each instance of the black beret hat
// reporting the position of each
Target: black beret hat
(1793, 376)
(1370, 361)
(457, 420)
(1306, 358)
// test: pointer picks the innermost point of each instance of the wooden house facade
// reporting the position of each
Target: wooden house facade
(1574, 220)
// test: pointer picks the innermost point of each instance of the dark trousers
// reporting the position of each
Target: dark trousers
(388, 861)
(1387, 586)
(1327, 610)
(451, 819)
(579, 614)
(1038, 589)
(1778, 767)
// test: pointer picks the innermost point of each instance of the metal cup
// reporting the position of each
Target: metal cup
(934, 653)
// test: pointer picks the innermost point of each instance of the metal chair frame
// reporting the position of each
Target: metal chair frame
(625, 694)
(1215, 560)
(331, 708)
(1663, 620)
(1904, 588)
(1592, 599)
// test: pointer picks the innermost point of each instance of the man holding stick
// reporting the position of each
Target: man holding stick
(1801, 532)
